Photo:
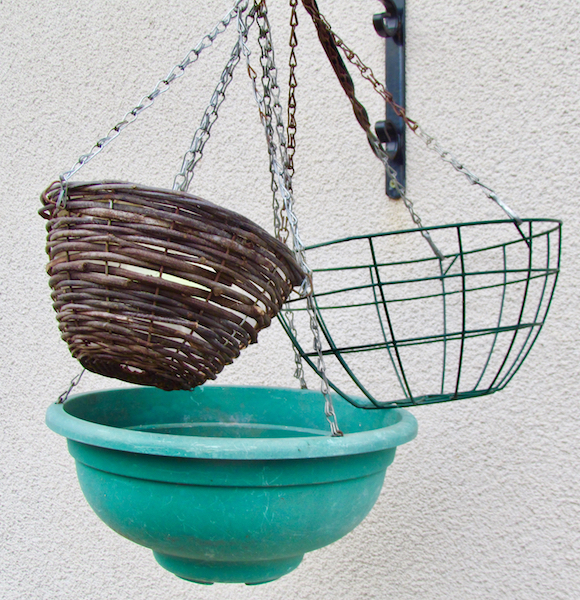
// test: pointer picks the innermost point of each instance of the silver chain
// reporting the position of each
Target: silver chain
(182, 180)
(282, 218)
(298, 366)
(74, 382)
(162, 86)
(269, 105)
(445, 155)
(433, 145)
(428, 139)
(396, 184)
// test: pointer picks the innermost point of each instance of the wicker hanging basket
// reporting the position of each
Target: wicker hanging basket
(158, 287)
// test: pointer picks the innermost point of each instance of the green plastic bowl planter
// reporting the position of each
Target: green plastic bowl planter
(228, 484)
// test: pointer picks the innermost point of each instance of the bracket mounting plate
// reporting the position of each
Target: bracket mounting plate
(390, 25)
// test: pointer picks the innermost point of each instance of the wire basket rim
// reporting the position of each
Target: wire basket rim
(557, 222)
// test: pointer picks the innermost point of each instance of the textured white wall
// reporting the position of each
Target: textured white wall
(484, 503)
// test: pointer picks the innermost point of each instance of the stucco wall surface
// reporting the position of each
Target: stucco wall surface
(483, 505)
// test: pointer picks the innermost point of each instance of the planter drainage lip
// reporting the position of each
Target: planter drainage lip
(401, 429)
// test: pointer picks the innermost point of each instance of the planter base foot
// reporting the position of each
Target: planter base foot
(208, 572)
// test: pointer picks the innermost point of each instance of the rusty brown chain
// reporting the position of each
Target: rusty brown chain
(292, 83)
(331, 42)
(271, 114)
(354, 59)
(328, 40)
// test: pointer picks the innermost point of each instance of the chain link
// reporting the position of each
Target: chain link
(291, 136)
(183, 179)
(74, 382)
(269, 105)
(292, 83)
(298, 365)
(396, 184)
(161, 87)
(273, 108)
(429, 140)
(321, 367)
(446, 156)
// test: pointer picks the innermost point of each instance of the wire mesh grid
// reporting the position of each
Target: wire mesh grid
(402, 327)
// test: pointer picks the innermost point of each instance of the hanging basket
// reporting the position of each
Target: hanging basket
(405, 327)
(158, 287)
(228, 484)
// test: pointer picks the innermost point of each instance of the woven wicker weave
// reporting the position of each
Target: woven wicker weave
(159, 287)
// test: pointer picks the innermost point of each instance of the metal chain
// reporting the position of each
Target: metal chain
(298, 364)
(74, 382)
(269, 106)
(292, 84)
(321, 367)
(446, 156)
(291, 128)
(183, 179)
(429, 140)
(396, 184)
(273, 107)
(291, 136)
(269, 103)
(162, 86)
(330, 46)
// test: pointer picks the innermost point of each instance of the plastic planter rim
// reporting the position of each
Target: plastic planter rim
(162, 444)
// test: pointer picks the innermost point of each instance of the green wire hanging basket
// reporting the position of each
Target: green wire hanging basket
(405, 327)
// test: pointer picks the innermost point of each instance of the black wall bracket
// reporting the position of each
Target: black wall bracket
(390, 25)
